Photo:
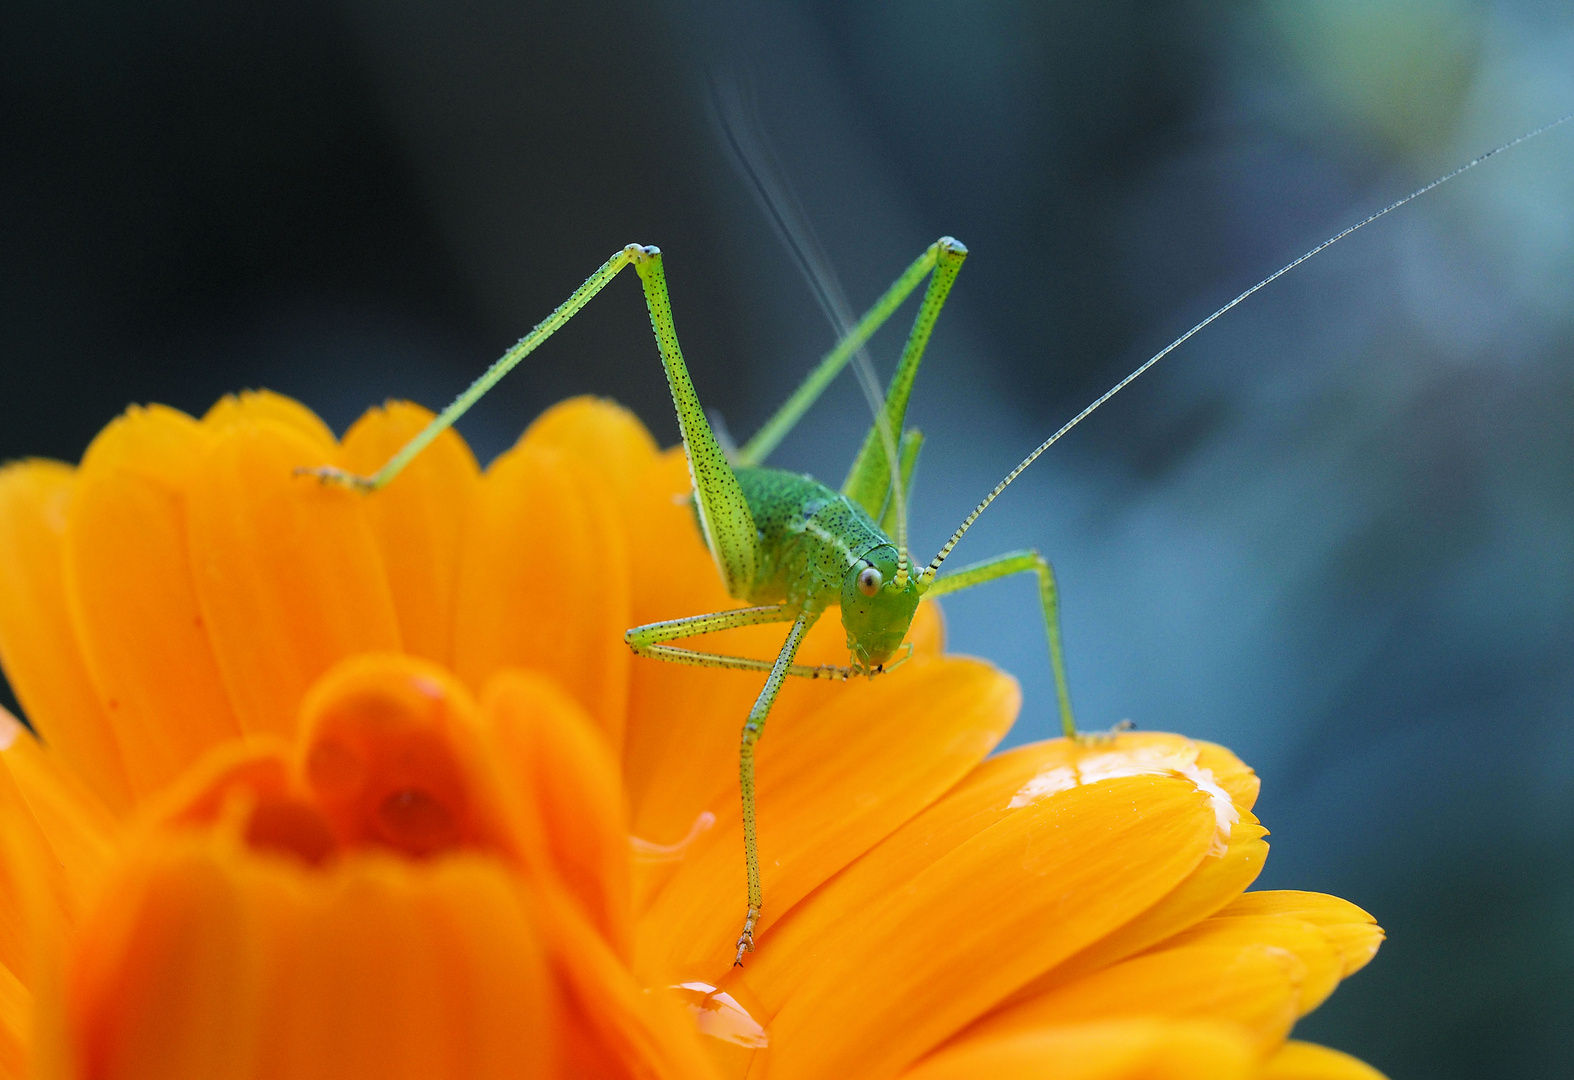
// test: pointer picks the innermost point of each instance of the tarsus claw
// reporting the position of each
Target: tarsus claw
(332, 474)
(746, 939)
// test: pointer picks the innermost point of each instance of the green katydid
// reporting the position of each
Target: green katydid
(791, 547)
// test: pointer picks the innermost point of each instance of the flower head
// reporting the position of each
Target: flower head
(329, 784)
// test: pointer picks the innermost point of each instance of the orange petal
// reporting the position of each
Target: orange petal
(1229, 772)
(543, 582)
(605, 437)
(142, 631)
(559, 761)
(445, 954)
(1216, 882)
(996, 790)
(621, 1023)
(1353, 933)
(832, 783)
(80, 832)
(1207, 890)
(16, 1026)
(892, 957)
(1302, 939)
(36, 906)
(1307, 1061)
(68, 833)
(1118, 1050)
(1253, 985)
(37, 641)
(287, 573)
(213, 961)
(681, 752)
(264, 406)
(418, 520)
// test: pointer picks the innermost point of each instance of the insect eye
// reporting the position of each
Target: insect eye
(869, 580)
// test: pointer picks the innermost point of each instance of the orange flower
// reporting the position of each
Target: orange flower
(340, 785)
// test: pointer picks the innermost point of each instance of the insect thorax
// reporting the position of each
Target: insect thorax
(810, 537)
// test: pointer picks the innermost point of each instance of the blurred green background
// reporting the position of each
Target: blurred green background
(1335, 532)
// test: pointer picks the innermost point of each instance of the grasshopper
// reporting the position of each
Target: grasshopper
(792, 548)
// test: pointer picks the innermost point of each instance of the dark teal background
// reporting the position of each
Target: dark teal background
(1336, 531)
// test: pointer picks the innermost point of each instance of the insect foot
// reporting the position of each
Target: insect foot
(336, 477)
(1103, 738)
(746, 939)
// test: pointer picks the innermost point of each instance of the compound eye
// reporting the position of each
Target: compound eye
(869, 580)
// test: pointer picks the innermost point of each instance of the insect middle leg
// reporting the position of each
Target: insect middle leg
(648, 640)
(1021, 562)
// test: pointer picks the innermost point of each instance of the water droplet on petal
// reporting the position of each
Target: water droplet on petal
(728, 1017)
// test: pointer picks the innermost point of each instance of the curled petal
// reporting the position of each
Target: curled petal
(390, 750)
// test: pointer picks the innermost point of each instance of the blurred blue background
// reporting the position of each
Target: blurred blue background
(1335, 532)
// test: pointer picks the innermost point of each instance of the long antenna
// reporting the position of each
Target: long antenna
(751, 151)
(934, 567)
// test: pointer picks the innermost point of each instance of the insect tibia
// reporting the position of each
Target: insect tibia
(334, 476)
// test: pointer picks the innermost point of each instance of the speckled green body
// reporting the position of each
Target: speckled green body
(809, 537)
(812, 542)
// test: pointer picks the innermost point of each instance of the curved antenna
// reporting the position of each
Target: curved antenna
(934, 567)
(751, 152)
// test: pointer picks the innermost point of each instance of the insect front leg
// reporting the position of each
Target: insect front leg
(753, 728)
(649, 641)
(1021, 562)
